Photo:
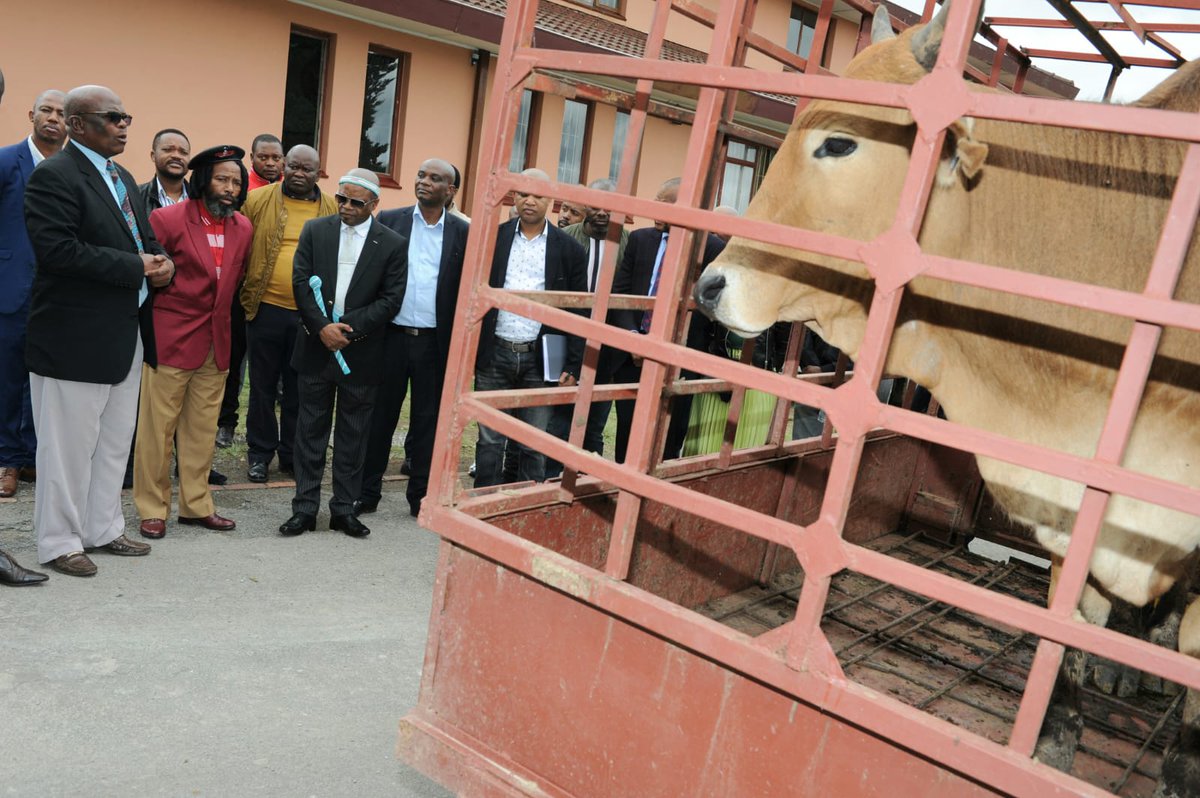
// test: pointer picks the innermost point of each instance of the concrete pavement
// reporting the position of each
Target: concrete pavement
(223, 664)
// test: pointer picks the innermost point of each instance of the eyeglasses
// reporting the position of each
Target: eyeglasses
(112, 117)
(342, 199)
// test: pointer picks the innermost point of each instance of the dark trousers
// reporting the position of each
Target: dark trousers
(18, 443)
(319, 396)
(593, 433)
(407, 358)
(681, 409)
(271, 338)
(237, 363)
(508, 370)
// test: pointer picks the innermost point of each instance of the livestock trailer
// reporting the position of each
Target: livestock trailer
(801, 616)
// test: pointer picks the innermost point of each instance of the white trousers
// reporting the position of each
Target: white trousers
(84, 431)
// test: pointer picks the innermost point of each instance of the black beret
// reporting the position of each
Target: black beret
(222, 152)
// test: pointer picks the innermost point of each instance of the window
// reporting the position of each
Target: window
(801, 29)
(745, 165)
(304, 92)
(572, 150)
(382, 102)
(620, 131)
(522, 146)
(611, 6)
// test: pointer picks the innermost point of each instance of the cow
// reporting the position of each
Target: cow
(1080, 205)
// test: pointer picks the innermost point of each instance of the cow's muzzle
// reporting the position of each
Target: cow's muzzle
(708, 292)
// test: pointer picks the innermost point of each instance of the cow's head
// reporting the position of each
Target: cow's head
(839, 171)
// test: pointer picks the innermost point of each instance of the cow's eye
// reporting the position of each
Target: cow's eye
(835, 147)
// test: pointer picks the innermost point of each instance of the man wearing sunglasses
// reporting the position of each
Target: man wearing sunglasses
(90, 328)
(278, 213)
(349, 281)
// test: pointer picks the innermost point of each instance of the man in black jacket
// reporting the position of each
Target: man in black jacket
(170, 152)
(417, 341)
(339, 352)
(531, 255)
(90, 327)
(638, 274)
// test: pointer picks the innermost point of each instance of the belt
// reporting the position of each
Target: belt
(414, 331)
(515, 346)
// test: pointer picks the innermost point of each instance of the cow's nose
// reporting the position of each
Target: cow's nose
(708, 291)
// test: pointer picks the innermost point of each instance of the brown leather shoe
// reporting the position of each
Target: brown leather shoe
(74, 564)
(124, 547)
(153, 528)
(213, 522)
(8, 482)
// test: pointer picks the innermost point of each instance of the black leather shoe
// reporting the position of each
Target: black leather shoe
(224, 437)
(349, 524)
(362, 506)
(12, 574)
(288, 468)
(298, 523)
(257, 472)
(215, 477)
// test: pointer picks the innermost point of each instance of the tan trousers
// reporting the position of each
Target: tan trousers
(180, 406)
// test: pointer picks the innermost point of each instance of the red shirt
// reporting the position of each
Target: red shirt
(216, 236)
(255, 180)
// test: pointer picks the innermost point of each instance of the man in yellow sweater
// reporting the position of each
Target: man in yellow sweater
(278, 212)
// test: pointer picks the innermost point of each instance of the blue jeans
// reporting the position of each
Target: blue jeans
(508, 370)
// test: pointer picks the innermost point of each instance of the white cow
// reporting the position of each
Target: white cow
(1085, 206)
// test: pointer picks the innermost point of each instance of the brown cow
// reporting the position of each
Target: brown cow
(1074, 204)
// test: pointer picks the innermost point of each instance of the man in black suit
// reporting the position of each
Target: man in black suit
(97, 265)
(339, 352)
(638, 274)
(531, 255)
(417, 341)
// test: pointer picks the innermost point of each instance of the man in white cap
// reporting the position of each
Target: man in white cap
(362, 268)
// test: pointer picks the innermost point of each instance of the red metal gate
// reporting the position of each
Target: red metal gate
(565, 655)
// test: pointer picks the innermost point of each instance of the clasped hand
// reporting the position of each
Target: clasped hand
(333, 335)
(158, 269)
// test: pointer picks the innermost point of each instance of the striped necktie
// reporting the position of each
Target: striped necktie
(123, 201)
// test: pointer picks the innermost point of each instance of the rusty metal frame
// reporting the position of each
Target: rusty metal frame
(797, 658)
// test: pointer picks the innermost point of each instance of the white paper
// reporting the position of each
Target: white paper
(554, 356)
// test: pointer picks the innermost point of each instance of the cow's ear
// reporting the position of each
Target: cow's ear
(968, 154)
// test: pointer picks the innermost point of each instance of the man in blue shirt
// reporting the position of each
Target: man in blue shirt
(417, 345)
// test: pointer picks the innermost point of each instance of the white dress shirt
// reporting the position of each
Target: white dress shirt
(350, 246)
(526, 272)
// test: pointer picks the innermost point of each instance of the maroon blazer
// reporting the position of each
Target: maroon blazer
(191, 316)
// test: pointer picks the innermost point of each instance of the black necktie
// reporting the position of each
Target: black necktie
(595, 264)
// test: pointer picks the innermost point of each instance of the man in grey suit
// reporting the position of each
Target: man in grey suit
(90, 328)
(339, 352)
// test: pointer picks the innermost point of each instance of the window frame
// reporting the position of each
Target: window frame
(321, 145)
(805, 10)
(390, 178)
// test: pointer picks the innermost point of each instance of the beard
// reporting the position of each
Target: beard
(218, 211)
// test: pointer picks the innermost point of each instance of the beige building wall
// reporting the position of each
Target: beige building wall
(224, 83)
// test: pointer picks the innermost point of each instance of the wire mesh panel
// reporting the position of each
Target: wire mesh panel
(1056, 374)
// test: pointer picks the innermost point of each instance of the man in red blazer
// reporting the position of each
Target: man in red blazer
(209, 241)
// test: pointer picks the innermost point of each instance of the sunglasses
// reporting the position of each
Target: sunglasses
(342, 199)
(112, 117)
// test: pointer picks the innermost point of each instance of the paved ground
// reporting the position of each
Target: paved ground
(237, 664)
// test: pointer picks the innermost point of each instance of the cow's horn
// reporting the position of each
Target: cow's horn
(928, 40)
(881, 25)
